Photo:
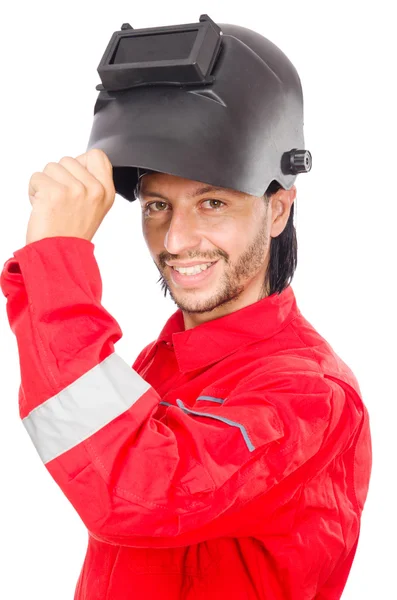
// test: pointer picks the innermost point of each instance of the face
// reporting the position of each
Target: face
(185, 224)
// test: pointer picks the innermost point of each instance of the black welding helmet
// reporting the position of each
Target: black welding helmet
(215, 103)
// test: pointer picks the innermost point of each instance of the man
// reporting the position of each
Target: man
(233, 459)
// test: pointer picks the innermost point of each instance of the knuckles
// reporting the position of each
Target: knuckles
(79, 189)
(49, 166)
(99, 154)
(96, 190)
(65, 159)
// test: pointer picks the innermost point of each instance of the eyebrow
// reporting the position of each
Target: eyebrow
(198, 192)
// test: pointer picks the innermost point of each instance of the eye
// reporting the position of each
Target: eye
(148, 207)
(213, 200)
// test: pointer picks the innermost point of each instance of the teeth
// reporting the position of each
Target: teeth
(192, 270)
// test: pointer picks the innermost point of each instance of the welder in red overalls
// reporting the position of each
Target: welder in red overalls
(233, 459)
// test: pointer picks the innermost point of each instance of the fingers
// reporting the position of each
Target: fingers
(75, 168)
(71, 174)
(90, 173)
(41, 182)
(98, 164)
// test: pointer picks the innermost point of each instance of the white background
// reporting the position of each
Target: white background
(345, 54)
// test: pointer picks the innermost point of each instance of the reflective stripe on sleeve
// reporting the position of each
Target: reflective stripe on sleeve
(84, 407)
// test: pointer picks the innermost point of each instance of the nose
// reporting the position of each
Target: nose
(183, 233)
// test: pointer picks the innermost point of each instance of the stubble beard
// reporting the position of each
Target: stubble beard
(231, 284)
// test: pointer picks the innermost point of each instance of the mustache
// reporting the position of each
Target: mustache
(170, 258)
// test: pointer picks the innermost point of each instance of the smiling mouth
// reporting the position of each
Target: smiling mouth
(208, 263)
(190, 280)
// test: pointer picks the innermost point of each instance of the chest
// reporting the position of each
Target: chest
(212, 383)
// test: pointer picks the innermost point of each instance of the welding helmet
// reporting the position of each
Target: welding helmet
(215, 103)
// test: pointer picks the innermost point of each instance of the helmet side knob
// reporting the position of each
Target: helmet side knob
(297, 161)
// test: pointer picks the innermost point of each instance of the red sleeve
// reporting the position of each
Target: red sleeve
(138, 473)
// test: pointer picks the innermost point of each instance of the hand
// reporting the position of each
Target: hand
(72, 197)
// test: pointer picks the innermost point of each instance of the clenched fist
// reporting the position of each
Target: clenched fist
(72, 197)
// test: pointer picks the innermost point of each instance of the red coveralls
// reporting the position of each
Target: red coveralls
(232, 461)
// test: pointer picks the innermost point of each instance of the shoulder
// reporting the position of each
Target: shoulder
(294, 386)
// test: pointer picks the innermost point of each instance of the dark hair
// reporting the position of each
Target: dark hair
(283, 251)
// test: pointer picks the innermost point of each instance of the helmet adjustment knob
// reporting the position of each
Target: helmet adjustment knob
(298, 161)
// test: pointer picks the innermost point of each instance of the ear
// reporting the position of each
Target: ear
(281, 207)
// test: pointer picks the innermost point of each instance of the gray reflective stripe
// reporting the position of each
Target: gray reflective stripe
(247, 440)
(84, 407)
(211, 399)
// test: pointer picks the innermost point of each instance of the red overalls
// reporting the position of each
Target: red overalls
(232, 461)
